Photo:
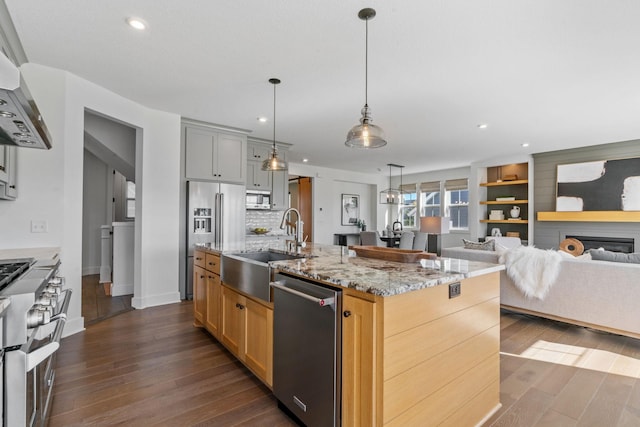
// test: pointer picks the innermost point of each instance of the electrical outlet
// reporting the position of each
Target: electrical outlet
(39, 226)
(454, 290)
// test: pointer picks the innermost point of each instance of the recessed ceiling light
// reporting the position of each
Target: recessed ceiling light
(262, 119)
(525, 144)
(483, 126)
(305, 160)
(137, 23)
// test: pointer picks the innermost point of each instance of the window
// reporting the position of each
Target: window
(408, 207)
(457, 203)
(430, 199)
(130, 206)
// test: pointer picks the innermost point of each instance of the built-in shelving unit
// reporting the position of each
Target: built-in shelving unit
(507, 181)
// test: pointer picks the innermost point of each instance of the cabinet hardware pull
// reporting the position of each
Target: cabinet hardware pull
(347, 313)
(202, 277)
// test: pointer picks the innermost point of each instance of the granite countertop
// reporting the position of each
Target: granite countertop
(384, 278)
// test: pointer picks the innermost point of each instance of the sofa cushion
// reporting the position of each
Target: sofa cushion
(506, 242)
(603, 255)
(489, 245)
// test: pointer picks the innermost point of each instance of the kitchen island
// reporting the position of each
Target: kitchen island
(420, 345)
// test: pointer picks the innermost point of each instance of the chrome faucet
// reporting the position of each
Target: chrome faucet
(298, 225)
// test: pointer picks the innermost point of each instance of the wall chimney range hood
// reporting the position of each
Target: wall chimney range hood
(20, 121)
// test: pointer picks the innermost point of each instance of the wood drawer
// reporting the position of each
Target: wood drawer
(199, 258)
(212, 263)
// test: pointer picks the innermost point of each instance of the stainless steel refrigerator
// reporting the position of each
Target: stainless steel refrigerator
(216, 215)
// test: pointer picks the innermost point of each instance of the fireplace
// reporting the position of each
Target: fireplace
(616, 244)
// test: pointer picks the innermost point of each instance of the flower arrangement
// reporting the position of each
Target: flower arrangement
(362, 225)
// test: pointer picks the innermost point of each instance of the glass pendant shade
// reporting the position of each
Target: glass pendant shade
(366, 134)
(274, 163)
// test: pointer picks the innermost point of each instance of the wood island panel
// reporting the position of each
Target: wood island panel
(438, 356)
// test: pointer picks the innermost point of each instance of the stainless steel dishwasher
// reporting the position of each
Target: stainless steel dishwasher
(306, 350)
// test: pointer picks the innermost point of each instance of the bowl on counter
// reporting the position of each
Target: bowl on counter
(260, 230)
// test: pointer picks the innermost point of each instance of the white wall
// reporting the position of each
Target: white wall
(328, 186)
(51, 186)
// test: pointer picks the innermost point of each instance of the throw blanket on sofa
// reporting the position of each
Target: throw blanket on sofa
(532, 270)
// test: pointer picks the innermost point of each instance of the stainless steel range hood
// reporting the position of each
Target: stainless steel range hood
(20, 121)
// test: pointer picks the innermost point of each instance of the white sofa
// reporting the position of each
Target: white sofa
(598, 294)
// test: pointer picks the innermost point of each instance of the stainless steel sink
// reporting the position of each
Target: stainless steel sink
(266, 256)
(249, 272)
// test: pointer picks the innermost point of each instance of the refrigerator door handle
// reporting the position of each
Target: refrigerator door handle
(221, 221)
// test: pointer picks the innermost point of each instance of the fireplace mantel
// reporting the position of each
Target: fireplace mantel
(591, 216)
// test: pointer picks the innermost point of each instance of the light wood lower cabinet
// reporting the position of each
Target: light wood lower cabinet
(212, 317)
(358, 362)
(247, 331)
(199, 294)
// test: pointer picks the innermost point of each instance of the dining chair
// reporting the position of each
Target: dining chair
(420, 241)
(371, 238)
(406, 240)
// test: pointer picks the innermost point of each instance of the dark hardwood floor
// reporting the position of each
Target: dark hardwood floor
(152, 367)
(96, 305)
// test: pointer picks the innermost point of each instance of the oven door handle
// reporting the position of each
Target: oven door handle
(36, 357)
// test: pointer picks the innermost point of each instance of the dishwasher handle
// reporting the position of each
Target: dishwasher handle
(322, 302)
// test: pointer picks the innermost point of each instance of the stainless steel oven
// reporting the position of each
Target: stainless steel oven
(33, 326)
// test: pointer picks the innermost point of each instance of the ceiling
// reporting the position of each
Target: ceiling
(554, 74)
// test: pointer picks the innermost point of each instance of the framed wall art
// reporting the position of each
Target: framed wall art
(605, 185)
(350, 209)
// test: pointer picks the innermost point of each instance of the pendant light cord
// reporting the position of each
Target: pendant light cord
(366, 61)
(274, 118)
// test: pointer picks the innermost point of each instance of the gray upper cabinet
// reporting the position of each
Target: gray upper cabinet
(215, 156)
(257, 179)
(280, 192)
(258, 152)
(8, 173)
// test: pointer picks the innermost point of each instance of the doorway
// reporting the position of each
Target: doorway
(108, 217)
(301, 198)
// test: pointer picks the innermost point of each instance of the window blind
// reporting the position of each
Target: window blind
(430, 187)
(456, 184)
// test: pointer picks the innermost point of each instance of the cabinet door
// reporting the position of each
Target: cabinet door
(231, 158)
(233, 306)
(199, 294)
(257, 178)
(212, 318)
(258, 152)
(358, 362)
(199, 146)
(259, 340)
(280, 192)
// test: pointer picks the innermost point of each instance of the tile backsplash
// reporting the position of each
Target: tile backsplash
(270, 220)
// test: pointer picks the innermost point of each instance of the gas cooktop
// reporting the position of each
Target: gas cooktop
(11, 269)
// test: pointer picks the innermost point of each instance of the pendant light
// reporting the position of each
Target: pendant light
(366, 134)
(274, 163)
(392, 196)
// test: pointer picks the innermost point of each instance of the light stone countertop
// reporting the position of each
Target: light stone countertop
(40, 254)
(336, 265)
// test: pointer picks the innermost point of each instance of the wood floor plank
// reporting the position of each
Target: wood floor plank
(152, 367)
(527, 411)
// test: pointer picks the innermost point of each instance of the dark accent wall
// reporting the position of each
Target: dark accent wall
(548, 235)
